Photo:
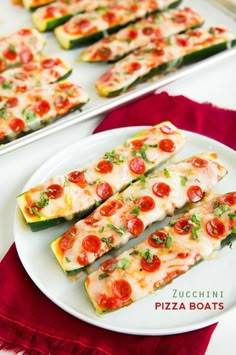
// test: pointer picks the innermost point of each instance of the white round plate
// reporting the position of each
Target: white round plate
(210, 284)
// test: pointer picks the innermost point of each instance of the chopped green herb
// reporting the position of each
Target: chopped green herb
(183, 180)
(29, 115)
(234, 230)
(113, 157)
(12, 48)
(120, 231)
(97, 203)
(34, 211)
(7, 85)
(66, 181)
(168, 242)
(44, 201)
(232, 216)
(121, 264)
(136, 210)
(142, 153)
(157, 239)
(134, 252)
(147, 254)
(195, 220)
(172, 223)
(194, 232)
(142, 179)
(3, 111)
(103, 276)
(218, 211)
(101, 230)
(167, 173)
(130, 198)
(107, 241)
(67, 259)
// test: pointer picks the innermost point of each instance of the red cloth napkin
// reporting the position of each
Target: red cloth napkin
(29, 321)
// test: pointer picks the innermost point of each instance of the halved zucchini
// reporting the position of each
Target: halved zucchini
(34, 4)
(87, 28)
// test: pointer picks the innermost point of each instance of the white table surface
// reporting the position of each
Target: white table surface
(216, 84)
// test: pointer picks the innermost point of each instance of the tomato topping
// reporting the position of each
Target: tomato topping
(107, 265)
(31, 208)
(199, 162)
(183, 226)
(90, 220)
(109, 303)
(161, 189)
(104, 166)
(215, 228)
(10, 54)
(110, 209)
(109, 17)
(24, 32)
(2, 135)
(195, 193)
(12, 102)
(26, 56)
(151, 266)
(21, 76)
(80, 26)
(122, 289)
(157, 239)
(133, 67)
(146, 203)
(137, 144)
(77, 177)
(183, 42)
(102, 53)
(21, 88)
(147, 31)
(229, 199)
(180, 18)
(62, 102)
(29, 67)
(166, 129)
(82, 259)
(132, 34)
(50, 11)
(66, 242)
(48, 63)
(91, 243)
(135, 226)
(2, 79)
(3, 65)
(42, 107)
(158, 52)
(167, 145)
(54, 191)
(17, 125)
(106, 76)
(137, 166)
(182, 255)
(104, 190)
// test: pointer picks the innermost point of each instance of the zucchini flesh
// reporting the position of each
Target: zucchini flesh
(83, 243)
(48, 17)
(162, 57)
(81, 188)
(38, 107)
(161, 25)
(177, 250)
(87, 28)
(33, 5)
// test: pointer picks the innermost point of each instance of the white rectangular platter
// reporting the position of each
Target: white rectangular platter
(14, 17)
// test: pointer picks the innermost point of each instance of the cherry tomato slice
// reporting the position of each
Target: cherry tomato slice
(66, 242)
(152, 266)
(109, 303)
(104, 190)
(82, 259)
(215, 228)
(157, 239)
(42, 107)
(105, 77)
(62, 102)
(34, 207)
(137, 144)
(199, 162)
(107, 265)
(17, 125)
(109, 17)
(90, 220)
(183, 226)
(54, 191)
(166, 129)
(146, 203)
(78, 178)
(122, 289)
(133, 67)
(78, 27)
(137, 166)
(110, 209)
(147, 31)
(161, 189)
(135, 226)
(12, 101)
(3, 65)
(10, 54)
(104, 167)
(21, 76)
(182, 255)
(24, 32)
(48, 63)
(132, 34)
(91, 243)
(102, 53)
(167, 145)
(26, 56)
(229, 199)
(195, 193)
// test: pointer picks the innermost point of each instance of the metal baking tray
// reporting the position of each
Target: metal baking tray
(215, 12)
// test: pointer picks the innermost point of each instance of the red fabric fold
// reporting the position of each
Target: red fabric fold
(30, 322)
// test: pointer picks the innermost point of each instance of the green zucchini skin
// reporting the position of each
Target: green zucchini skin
(33, 8)
(50, 25)
(186, 60)
(87, 40)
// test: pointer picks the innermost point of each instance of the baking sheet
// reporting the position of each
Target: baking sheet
(14, 17)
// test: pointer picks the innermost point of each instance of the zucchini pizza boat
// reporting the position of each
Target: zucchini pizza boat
(161, 56)
(48, 17)
(127, 214)
(78, 192)
(83, 29)
(20, 47)
(35, 74)
(156, 26)
(34, 4)
(164, 255)
(34, 109)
